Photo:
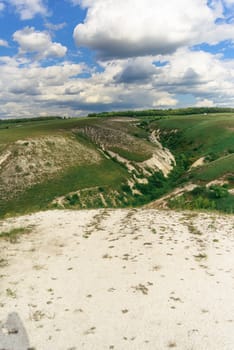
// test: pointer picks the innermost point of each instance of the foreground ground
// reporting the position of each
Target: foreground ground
(118, 279)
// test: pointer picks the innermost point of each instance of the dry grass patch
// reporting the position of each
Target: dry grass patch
(14, 234)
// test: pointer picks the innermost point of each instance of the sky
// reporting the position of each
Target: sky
(75, 57)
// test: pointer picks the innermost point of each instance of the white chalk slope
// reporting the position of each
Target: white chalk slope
(118, 279)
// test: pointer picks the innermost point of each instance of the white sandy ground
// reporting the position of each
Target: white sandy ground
(118, 279)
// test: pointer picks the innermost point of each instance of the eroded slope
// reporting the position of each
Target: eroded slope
(27, 162)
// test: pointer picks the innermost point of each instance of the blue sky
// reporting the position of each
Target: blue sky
(73, 57)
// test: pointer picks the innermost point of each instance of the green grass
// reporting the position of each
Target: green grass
(201, 134)
(131, 155)
(42, 128)
(39, 196)
(203, 198)
(215, 169)
(226, 204)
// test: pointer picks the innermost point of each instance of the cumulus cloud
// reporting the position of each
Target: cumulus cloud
(38, 43)
(28, 89)
(27, 9)
(197, 73)
(205, 70)
(136, 71)
(60, 90)
(3, 43)
(204, 103)
(147, 59)
(131, 28)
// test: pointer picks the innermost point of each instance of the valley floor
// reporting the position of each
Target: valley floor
(118, 279)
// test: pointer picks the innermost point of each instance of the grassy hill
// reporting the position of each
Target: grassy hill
(116, 161)
(204, 148)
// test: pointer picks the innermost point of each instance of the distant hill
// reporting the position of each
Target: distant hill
(174, 158)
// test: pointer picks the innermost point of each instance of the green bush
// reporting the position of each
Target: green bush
(216, 191)
(212, 198)
(199, 190)
(211, 157)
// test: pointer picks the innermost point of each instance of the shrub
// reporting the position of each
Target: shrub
(198, 190)
(74, 199)
(216, 191)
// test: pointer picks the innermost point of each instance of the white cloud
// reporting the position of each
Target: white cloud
(130, 28)
(3, 43)
(164, 101)
(204, 103)
(145, 59)
(199, 74)
(28, 89)
(27, 9)
(39, 43)
(53, 27)
(208, 68)
(2, 6)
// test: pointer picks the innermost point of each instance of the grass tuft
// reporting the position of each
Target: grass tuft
(14, 234)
